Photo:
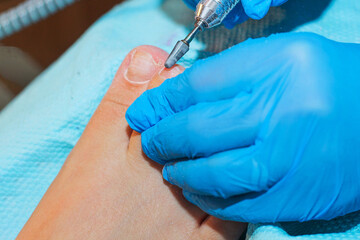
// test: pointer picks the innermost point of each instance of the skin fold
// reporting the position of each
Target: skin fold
(108, 189)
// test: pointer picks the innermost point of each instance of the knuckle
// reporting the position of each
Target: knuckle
(306, 49)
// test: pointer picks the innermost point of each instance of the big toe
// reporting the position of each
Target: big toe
(133, 77)
(157, 80)
(135, 74)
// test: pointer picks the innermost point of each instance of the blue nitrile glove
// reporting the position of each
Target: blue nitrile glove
(272, 127)
(255, 9)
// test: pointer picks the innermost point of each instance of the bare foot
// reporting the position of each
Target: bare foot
(108, 189)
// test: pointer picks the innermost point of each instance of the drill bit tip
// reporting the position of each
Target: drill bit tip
(180, 49)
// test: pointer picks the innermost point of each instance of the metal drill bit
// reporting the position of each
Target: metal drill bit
(208, 14)
(182, 46)
(180, 49)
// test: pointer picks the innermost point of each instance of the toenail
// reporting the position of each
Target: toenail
(142, 67)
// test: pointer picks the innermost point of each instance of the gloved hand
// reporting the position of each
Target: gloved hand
(255, 9)
(265, 131)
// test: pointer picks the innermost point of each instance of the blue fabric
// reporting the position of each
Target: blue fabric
(340, 21)
(41, 126)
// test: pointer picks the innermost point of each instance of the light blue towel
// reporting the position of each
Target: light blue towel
(41, 126)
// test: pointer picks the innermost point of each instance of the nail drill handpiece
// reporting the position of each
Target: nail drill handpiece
(209, 13)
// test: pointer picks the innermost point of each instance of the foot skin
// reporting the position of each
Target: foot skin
(108, 189)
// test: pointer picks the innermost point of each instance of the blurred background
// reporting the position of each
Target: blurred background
(25, 54)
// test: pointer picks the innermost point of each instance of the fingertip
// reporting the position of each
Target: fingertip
(129, 118)
(256, 9)
(148, 146)
(165, 173)
(170, 174)
(140, 113)
(189, 197)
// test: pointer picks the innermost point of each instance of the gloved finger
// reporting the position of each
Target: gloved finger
(257, 9)
(244, 208)
(272, 205)
(276, 3)
(223, 175)
(199, 130)
(222, 76)
(236, 16)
